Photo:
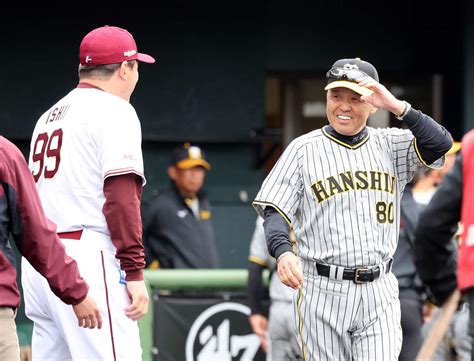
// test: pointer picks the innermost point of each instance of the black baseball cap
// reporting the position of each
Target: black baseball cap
(188, 156)
(345, 72)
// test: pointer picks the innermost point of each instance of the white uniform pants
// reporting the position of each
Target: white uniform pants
(56, 334)
(284, 340)
(342, 320)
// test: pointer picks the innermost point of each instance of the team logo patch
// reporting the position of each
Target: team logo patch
(129, 53)
(194, 153)
(350, 66)
(122, 277)
(205, 215)
(182, 213)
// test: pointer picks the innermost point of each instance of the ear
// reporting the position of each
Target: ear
(373, 110)
(123, 70)
(172, 172)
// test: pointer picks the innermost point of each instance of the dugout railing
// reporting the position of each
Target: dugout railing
(196, 280)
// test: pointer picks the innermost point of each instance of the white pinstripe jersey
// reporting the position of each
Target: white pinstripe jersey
(343, 200)
(84, 138)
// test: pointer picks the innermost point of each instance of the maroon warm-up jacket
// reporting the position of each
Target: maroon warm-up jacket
(22, 220)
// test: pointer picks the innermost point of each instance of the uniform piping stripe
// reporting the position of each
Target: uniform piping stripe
(257, 260)
(260, 203)
(108, 305)
(300, 322)
(119, 169)
(122, 171)
(421, 159)
(362, 142)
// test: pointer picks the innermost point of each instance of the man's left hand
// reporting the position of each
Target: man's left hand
(139, 296)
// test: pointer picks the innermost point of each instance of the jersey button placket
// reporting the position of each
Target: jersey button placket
(363, 211)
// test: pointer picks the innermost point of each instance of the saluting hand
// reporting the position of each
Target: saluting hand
(381, 98)
(290, 270)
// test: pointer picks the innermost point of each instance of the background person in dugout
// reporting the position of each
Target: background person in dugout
(278, 333)
(177, 223)
(22, 217)
(415, 308)
(339, 188)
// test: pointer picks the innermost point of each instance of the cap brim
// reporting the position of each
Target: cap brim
(455, 148)
(145, 58)
(190, 163)
(350, 85)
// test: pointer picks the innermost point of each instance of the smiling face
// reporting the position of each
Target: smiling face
(346, 112)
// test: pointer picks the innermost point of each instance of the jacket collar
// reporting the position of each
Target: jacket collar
(348, 141)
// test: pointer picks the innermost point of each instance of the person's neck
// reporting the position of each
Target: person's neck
(106, 85)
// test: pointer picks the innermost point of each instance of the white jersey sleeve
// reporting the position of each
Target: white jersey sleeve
(407, 157)
(121, 145)
(258, 246)
(282, 188)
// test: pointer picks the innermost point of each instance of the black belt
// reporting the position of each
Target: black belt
(357, 274)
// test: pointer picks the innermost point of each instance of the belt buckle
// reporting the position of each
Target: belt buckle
(356, 276)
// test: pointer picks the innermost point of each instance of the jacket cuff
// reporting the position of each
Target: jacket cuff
(412, 117)
(135, 275)
(282, 248)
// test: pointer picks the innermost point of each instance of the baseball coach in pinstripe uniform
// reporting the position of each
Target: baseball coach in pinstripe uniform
(340, 189)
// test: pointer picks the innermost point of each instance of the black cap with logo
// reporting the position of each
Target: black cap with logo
(188, 156)
(345, 72)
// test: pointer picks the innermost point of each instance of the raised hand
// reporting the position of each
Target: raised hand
(381, 97)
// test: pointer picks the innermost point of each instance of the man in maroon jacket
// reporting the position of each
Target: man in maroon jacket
(22, 217)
